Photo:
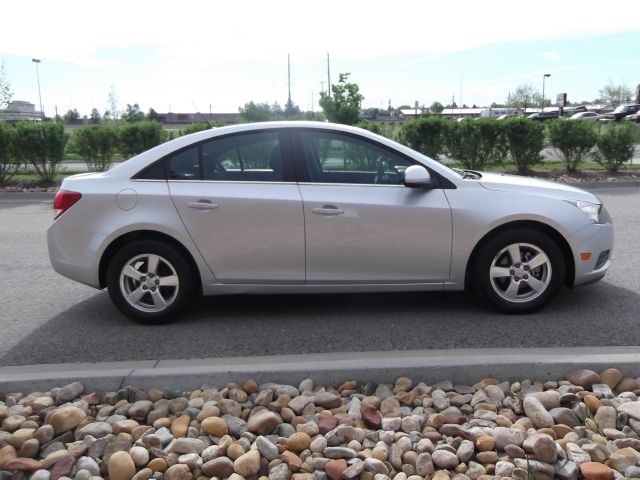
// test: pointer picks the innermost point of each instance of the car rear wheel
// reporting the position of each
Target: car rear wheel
(518, 271)
(149, 281)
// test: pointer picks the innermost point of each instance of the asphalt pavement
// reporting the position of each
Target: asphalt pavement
(45, 318)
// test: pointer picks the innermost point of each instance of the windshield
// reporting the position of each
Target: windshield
(620, 108)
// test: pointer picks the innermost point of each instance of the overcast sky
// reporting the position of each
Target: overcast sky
(188, 56)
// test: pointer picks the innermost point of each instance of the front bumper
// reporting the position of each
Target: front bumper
(596, 239)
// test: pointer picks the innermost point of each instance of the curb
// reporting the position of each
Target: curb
(466, 366)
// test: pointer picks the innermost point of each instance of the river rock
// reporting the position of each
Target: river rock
(263, 422)
(40, 475)
(298, 442)
(335, 468)
(631, 408)
(623, 458)
(180, 426)
(64, 419)
(596, 471)
(372, 418)
(612, 377)
(248, 464)
(327, 400)
(95, 429)
(444, 459)
(504, 436)
(187, 445)
(23, 464)
(280, 472)
(64, 467)
(424, 464)
(69, 392)
(339, 452)
(584, 378)
(139, 455)
(536, 412)
(220, 467)
(566, 470)
(121, 466)
(177, 472)
(267, 449)
(605, 417)
(542, 446)
(214, 426)
(564, 416)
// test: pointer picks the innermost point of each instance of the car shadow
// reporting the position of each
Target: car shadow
(247, 325)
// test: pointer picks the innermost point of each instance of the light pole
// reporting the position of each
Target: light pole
(37, 61)
(544, 77)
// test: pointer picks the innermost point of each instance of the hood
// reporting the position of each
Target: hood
(544, 188)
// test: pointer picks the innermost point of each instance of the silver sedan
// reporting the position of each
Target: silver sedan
(301, 207)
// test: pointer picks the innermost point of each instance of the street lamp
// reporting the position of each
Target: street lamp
(37, 61)
(544, 77)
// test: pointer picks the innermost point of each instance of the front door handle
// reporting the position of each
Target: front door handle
(203, 205)
(328, 210)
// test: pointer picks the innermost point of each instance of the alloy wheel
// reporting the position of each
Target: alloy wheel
(520, 272)
(149, 283)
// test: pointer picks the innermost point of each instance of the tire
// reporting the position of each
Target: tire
(149, 281)
(518, 271)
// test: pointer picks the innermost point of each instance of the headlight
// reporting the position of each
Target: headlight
(591, 210)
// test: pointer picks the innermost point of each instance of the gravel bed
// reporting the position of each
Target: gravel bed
(586, 426)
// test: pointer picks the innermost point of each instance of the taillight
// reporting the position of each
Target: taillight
(64, 200)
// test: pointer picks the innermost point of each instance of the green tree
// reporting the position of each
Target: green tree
(71, 117)
(95, 117)
(199, 127)
(153, 115)
(291, 109)
(135, 138)
(573, 139)
(256, 112)
(425, 134)
(41, 146)
(524, 97)
(615, 146)
(436, 107)
(133, 114)
(97, 145)
(5, 87)
(8, 163)
(614, 95)
(344, 105)
(113, 103)
(525, 140)
(378, 128)
(476, 143)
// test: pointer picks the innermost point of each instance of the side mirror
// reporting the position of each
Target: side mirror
(416, 176)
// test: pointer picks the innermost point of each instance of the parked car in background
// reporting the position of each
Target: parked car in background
(506, 115)
(585, 116)
(634, 117)
(620, 112)
(311, 207)
(543, 116)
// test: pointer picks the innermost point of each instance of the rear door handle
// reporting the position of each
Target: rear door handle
(328, 210)
(203, 205)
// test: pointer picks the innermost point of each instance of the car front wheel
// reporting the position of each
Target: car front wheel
(149, 281)
(518, 271)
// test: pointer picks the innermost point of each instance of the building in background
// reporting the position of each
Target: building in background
(20, 111)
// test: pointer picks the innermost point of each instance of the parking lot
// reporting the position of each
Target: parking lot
(49, 319)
